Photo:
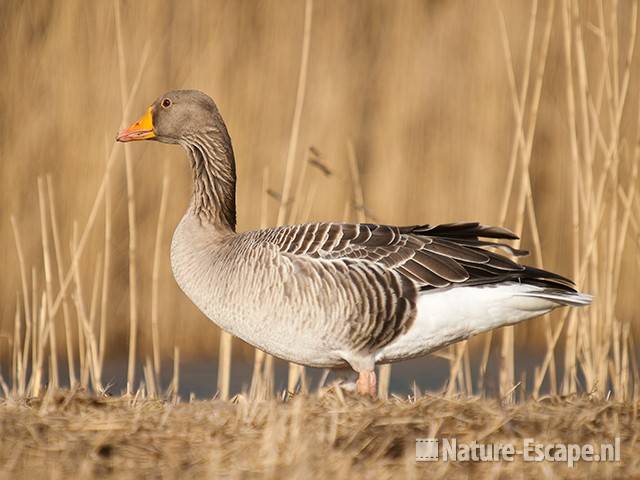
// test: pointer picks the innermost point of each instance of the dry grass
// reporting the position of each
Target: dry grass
(74, 435)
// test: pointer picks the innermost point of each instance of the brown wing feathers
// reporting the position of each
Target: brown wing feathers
(431, 256)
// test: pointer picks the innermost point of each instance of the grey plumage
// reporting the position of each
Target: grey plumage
(323, 293)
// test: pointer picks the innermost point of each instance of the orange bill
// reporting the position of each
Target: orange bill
(141, 130)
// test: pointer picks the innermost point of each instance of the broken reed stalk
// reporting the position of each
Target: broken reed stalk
(95, 351)
(175, 380)
(224, 365)
(16, 350)
(42, 336)
(81, 315)
(149, 379)
(294, 370)
(454, 367)
(25, 297)
(104, 304)
(155, 330)
(46, 255)
(86, 320)
(131, 212)
(78, 303)
(36, 318)
(57, 248)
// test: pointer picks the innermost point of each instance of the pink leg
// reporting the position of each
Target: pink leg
(366, 383)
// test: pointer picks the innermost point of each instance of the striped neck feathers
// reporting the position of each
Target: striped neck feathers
(214, 177)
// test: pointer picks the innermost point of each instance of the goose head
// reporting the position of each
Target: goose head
(191, 119)
(175, 117)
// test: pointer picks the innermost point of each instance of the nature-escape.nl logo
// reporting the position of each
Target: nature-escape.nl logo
(449, 450)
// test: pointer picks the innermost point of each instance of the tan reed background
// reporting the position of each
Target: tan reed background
(420, 89)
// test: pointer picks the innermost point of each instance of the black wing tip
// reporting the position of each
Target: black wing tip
(488, 231)
(539, 273)
(465, 230)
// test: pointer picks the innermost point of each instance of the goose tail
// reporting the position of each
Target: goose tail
(561, 297)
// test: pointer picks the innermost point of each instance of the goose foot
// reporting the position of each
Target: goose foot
(366, 384)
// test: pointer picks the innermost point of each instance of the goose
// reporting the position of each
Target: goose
(336, 294)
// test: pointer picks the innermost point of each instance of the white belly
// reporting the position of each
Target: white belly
(450, 315)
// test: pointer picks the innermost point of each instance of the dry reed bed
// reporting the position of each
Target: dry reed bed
(64, 307)
(75, 434)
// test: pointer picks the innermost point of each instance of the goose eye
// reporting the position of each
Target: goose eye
(166, 103)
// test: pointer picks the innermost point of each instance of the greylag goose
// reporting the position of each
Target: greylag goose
(335, 294)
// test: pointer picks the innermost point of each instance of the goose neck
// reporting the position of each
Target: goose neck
(214, 178)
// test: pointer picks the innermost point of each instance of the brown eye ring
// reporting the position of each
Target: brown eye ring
(166, 103)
